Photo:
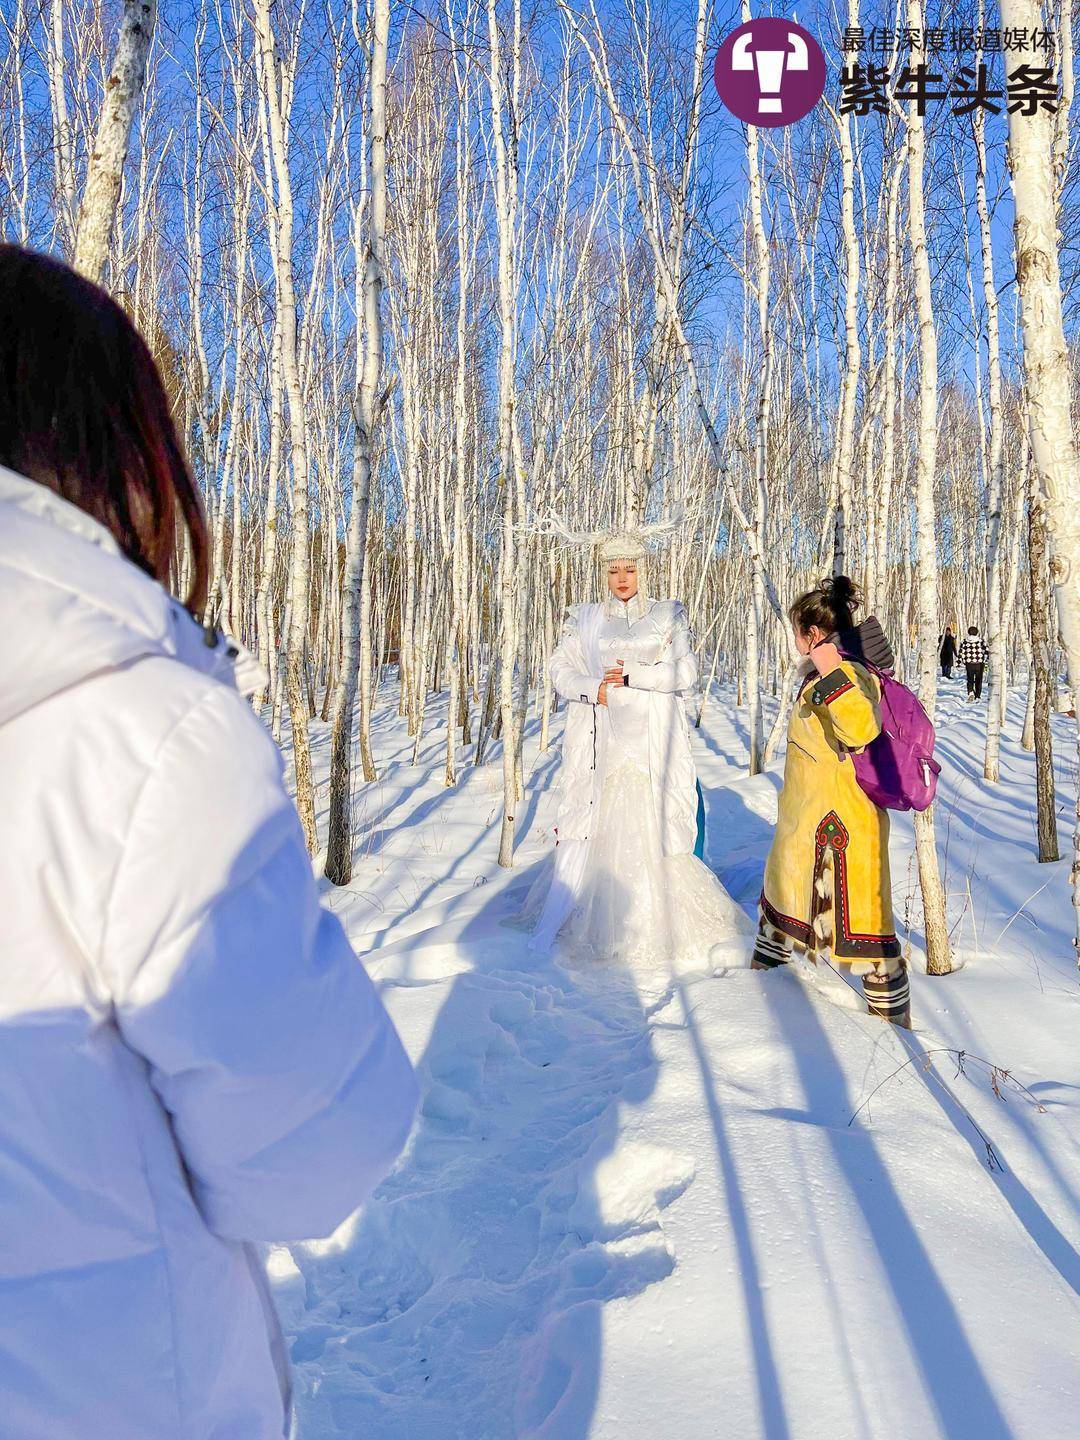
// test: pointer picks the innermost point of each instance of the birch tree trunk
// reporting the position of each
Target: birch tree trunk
(63, 147)
(938, 959)
(457, 638)
(506, 182)
(339, 851)
(105, 172)
(996, 464)
(1046, 368)
(756, 616)
(1027, 734)
(1043, 687)
(264, 608)
(852, 350)
(300, 560)
(364, 719)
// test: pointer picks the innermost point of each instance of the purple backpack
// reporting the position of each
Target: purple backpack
(897, 770)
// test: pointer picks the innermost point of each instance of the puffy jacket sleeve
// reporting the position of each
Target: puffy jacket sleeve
(567, 665)
(677, 670)
(289, 1091)
(851, 695)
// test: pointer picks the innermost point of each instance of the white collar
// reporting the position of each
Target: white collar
(631, 610)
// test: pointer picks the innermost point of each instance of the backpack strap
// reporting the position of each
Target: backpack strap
(880, 675)
(866, 665)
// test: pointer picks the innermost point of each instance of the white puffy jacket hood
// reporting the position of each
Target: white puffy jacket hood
(99, 614)
(191, 1057)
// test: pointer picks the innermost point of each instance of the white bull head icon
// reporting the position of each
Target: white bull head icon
(770, 66)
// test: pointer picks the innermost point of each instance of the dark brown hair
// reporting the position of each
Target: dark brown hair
(829, 606)
(83, 412)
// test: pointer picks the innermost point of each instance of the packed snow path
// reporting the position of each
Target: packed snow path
(634, 1205)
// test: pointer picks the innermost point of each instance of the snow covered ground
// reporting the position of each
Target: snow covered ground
(638, 1207)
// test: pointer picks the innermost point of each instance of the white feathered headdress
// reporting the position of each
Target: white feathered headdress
(628, 544)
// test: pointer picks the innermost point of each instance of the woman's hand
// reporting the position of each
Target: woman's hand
(601, 694)
(613, 675)
(826, 657)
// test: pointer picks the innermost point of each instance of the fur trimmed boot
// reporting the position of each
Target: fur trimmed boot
(889, 996)
(772, 947)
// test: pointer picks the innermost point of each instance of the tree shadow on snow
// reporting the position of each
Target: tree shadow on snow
(771, 1409)
(738, 843)
(952, 1376)
(465, 1299)
(374, 834)
(1054, 1245)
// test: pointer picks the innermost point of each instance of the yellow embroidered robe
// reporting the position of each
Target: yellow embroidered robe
(824, 816)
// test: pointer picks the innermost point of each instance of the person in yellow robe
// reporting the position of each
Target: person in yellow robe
(827, 889)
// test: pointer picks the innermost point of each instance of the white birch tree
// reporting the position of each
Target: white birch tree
(938, 957)
(105, 172)
(369, 364)
(1046, 365)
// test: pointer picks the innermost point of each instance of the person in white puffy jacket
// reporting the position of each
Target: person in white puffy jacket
(627, 880)
(191, 1056)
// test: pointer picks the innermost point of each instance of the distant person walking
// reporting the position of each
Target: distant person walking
(948, 652)
(973, 656)
(193, 1058)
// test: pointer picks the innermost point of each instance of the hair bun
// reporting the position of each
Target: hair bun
(842, 591)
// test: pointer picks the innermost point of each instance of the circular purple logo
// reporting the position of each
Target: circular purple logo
(770, 72)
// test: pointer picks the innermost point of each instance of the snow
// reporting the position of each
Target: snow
(639, 1206)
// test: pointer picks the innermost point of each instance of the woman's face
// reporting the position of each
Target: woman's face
(622, 579)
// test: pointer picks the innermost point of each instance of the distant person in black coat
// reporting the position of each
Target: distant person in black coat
(973, 657)
(948, 652)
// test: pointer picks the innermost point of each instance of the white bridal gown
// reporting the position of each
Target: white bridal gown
(616, 896)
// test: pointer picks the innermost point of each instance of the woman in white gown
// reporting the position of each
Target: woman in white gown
(626, 883)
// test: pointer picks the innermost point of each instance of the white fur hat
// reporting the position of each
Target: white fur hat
(622, 545)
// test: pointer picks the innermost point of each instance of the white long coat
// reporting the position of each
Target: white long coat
(191, 1057)
(655, 628)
